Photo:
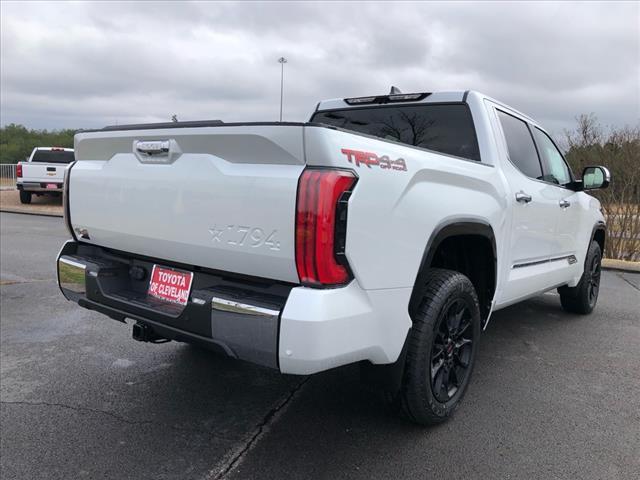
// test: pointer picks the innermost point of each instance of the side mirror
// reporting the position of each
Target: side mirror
(595, 177)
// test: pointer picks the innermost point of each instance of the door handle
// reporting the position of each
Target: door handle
(564, 203)
(522, 197)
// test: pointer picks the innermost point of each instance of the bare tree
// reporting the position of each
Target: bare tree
(587, 132)
(618, 150)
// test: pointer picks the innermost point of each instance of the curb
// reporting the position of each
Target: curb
(621, 266)
(42, 214)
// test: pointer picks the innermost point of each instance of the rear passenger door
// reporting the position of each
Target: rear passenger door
(532, 211)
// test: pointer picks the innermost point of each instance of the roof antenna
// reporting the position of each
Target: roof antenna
(394, 90)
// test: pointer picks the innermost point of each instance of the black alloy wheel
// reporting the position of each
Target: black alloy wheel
(441, 348)
(451, 350)
(583, 297)
(594, 280)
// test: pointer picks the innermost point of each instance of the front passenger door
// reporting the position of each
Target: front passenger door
(570, 214)
(558, 175)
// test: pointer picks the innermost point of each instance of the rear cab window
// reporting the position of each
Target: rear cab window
(443, 128)
(520, 146)
(53, 156)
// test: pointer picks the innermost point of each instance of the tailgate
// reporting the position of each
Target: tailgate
(43, 172)
(217, 197)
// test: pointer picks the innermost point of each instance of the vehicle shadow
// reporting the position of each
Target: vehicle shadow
(335, 421)
(338, 397)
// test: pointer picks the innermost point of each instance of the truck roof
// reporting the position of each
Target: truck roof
(454, 96)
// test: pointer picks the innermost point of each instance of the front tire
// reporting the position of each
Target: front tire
(583, 297)
(25, 197)
(442, 348)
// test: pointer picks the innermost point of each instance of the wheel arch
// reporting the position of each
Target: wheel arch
(469, 229)
(599, 234)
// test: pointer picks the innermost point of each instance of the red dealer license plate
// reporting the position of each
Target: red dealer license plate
(52, 186)
(170, 285)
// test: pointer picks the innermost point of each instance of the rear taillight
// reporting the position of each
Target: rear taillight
(321, 217)
(66, 214)
(19, 171)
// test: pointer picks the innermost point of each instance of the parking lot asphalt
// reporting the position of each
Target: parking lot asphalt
(553, 395)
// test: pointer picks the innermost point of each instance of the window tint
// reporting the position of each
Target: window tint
(53, 156)
(522, 151)
(555, 168)
(443, 128)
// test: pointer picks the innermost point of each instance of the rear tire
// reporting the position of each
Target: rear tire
(441, 350)
(25, 197)
(583, 297)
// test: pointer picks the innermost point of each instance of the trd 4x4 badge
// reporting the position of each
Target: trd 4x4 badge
(371, 159)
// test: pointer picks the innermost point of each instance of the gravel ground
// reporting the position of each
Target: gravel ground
(45, 204)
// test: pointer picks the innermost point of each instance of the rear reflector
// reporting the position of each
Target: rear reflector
(19, 171)
(321, 227)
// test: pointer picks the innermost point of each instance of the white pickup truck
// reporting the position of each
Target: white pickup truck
(384, 231)
(43, 172)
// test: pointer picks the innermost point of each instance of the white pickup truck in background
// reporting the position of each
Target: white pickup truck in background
(43, 172)
(385, 231)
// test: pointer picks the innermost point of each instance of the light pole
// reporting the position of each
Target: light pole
(281, 61)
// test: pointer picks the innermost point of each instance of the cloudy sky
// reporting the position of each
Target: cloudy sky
(92, 64)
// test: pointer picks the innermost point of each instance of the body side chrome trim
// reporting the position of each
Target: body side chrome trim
(570, 258)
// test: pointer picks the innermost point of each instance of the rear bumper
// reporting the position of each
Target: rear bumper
(326, 328)
(239, 319)
(297, 330)
(39, 187)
